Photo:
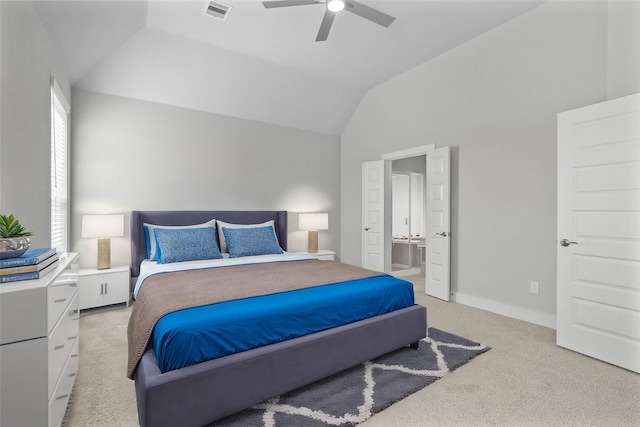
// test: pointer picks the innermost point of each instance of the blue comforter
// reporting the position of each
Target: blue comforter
(195, 335)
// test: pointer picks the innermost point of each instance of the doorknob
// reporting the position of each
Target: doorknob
(566, 242)
(443, 234)
(367, 229)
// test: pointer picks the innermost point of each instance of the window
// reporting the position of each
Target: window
(59, 168)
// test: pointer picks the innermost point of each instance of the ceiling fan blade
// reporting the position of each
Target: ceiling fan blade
(327, 21)
(287, 3)
(369, 13)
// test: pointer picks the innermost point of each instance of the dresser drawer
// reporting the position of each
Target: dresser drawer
(61, 341)
(59, 295)
(23, 383)
(62, 393)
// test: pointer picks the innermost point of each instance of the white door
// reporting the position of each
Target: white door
(376, 248)
(598, 254)
(437, 258)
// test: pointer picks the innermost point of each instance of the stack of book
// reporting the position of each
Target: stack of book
(33, 264)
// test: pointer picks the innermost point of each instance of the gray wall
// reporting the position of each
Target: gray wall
(29, 59)
(138, 155)
(494, 100)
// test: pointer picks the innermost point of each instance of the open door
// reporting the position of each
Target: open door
(598, 248)
(376, 248)
(437, 259)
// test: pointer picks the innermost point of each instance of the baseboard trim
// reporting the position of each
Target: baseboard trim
(528, 315)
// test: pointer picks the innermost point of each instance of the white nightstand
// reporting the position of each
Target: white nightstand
(103, 287)
(323, 255)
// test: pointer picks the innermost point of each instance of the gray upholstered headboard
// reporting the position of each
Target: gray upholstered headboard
(138, 240)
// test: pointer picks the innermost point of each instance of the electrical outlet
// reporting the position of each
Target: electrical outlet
(534, 287)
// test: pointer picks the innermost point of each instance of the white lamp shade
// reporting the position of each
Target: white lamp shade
(102, 226)
(313, 221)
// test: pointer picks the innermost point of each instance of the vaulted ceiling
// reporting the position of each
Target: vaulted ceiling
(258, 64)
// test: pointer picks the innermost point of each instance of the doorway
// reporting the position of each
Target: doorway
(376, 216)
(408, 215)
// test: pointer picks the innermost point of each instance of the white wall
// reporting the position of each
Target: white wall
(494, 100)
(29, 59)
(158, 66)
(623, 48)
(137, 155)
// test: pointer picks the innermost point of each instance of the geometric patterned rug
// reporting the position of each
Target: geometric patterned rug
(354, 395)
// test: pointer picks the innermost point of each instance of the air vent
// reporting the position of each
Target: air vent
(217, 10)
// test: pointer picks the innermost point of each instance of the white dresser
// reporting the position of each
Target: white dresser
(39, 322)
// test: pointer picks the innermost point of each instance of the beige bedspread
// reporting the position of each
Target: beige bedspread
(168, 292)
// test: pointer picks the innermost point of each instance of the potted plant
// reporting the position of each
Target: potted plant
(14, 238)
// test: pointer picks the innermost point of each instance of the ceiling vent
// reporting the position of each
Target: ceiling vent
(217, 10)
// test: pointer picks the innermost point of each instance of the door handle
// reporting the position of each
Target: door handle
(443, 234)
(566, 242)
(367, 229)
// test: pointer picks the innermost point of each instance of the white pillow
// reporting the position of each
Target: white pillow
(220, 224)
(151, 237)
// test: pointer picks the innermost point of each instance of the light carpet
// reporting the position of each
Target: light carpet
(353, 396)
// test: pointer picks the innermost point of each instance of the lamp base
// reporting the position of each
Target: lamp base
(313, 242)
(104, 254)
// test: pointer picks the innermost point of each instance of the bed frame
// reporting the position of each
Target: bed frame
(202, 393)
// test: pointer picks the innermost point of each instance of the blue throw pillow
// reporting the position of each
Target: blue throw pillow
(186, 244)
(150, 236)
(251, 241)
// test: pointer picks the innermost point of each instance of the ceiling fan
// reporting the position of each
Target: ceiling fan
(333, 7)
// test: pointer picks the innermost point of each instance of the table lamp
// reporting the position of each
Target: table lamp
(312, 222)
(103, 227)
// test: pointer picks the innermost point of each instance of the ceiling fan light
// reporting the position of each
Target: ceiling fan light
(335, 5)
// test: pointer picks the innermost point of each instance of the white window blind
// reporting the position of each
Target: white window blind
(59, 168)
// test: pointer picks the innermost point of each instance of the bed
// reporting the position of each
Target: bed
(199, 392)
